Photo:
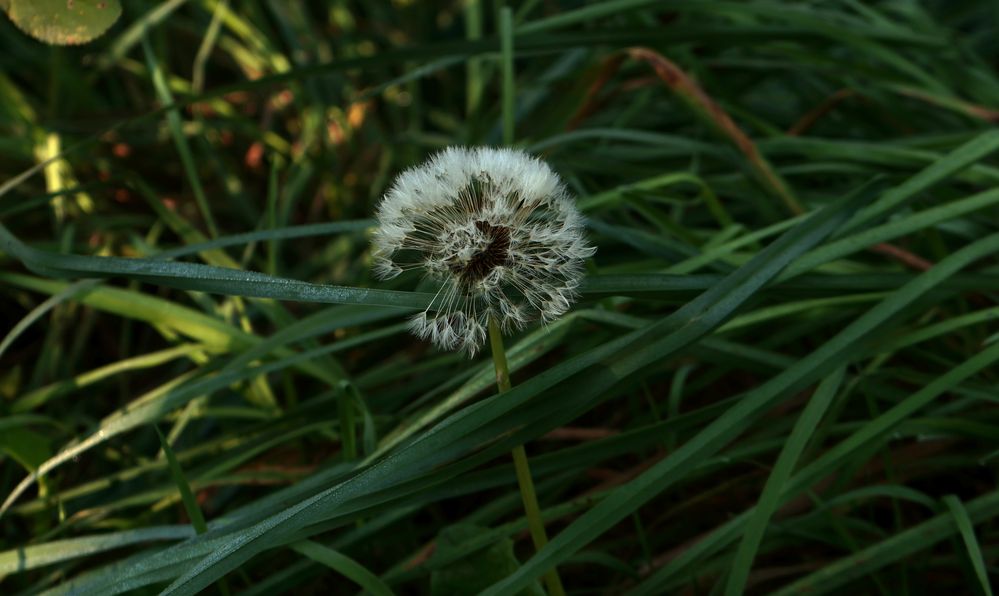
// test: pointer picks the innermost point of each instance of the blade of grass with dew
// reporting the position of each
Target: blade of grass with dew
(205, 278)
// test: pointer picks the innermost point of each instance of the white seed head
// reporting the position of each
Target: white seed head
(497, 233)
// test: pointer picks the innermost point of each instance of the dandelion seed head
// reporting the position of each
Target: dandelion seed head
(497, 233)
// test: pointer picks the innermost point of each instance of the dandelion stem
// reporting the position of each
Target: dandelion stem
(530, 498)
(499, 356)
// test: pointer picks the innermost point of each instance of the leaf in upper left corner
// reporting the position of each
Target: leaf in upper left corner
(63, 22)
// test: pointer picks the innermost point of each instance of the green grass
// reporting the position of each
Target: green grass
(780, 375)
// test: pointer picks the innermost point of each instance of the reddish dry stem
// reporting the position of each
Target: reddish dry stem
(422, 555)
(590, 103)
(974, 110)
(567, 433)
(903, 256)
(684, 86)
(812, 116)
(613, 478)
(638, 83)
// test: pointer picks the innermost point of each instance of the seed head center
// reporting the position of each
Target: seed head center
(493, 250)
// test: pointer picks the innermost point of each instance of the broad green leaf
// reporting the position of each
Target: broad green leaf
(472, 570)
(64, 22)
(28, 447)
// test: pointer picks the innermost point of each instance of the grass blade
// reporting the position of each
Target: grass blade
(756, 526)
(967, 530)
(186, 496)
(343, 565)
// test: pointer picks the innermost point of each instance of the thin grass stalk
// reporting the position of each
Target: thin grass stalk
(520, 463)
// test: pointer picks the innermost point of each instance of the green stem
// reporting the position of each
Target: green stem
(520, 463)
(176, 131)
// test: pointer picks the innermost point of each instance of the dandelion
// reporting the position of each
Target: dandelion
(496, 232)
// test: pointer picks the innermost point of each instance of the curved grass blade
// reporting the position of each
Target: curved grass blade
(343, 565)
(215, 334)
(967, 530)
(39, 311)
(18, 420)
(187, 497)
(756, 526)
(42, 395)
(706, 108)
